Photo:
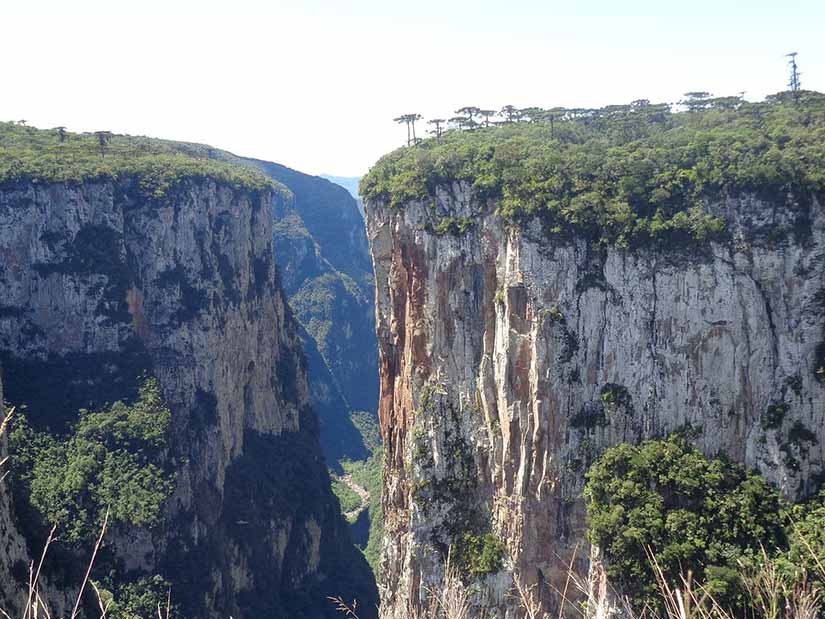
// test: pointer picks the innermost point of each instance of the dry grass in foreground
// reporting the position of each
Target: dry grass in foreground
(772, 594)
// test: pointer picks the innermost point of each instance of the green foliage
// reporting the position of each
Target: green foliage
(325, 305)
(367, 425)
(806, 540)
(28, 154)
(349, 499)
(615, 396)
(774, 416)
(139, 599)
(555, 314)
(624, 174)
(369, 474)
(478, 555)
(109, 460)
(691, 512)
(455, 226)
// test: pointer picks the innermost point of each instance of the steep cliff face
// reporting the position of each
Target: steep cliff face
(100, 285)
(12, 543)
(324, 262)
(509, 361)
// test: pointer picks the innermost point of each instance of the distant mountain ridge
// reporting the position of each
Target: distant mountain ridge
(350, 183)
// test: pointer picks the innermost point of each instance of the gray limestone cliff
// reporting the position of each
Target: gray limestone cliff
(12, 543)
(100, 286)
(509, 361)
(326, 271)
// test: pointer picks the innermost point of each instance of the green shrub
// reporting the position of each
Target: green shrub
(691, 512)
(454, 226)
(139, 599)
(349, 499)
(111, 459)
(477, 555)
(805, 555)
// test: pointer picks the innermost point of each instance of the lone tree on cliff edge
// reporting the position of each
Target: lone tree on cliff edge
(409, 120)
(487, 114)
(403, 119)
(413, 118)
(103, 138)
(438, 131)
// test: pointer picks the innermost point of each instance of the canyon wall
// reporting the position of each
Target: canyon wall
(100, 286)
(509, 360)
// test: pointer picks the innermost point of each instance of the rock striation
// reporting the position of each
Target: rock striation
(100, 286)
(509, 361)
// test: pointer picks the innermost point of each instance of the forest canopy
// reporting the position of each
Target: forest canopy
(623, 174)
(56, 155)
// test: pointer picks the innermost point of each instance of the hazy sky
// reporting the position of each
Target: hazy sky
(314, 84)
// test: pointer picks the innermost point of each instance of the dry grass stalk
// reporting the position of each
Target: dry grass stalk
(817, 559)
(690, 601)
(342, 607)
(33, 598)
(452, 598)
(4, 425)
(528, 602)
(766, 587)
(104, 608)
(76, 609)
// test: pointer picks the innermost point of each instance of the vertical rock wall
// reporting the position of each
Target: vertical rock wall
(99, 287)
(509, 362)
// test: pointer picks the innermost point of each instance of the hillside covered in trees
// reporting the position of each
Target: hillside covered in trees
(624, 174)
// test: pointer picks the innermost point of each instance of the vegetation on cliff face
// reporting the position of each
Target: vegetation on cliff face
(665, 499)
(111, 459)
(29, 154)
(369, 475)
(623, 174)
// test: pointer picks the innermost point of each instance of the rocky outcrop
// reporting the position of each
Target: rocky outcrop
(100, 286)
(509, 361)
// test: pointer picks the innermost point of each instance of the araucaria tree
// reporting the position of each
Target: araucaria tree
(470, 112)
(696, 101)
(409, 120)
(487, 115)
(510, 113)
(438, 130)
(103, 138)
(413, 118)
(404, 118)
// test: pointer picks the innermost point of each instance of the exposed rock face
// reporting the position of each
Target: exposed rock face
(98, 286)
(324, 262)
(12, 544)
(509, 362)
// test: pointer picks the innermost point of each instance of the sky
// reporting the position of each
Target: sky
(315, 84)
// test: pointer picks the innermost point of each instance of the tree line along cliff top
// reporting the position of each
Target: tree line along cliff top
(56, 155)
(624, 174)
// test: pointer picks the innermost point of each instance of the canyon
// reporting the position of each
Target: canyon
(514, 301)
